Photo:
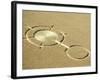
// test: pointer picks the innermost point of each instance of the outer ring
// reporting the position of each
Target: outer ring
(27, 37)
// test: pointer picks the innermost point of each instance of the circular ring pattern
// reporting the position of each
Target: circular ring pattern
(44, 33)
(36, 30)
(77, 50)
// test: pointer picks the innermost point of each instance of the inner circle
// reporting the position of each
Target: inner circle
(46, 36)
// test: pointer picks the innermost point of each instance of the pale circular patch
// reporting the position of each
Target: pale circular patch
(46, 36)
